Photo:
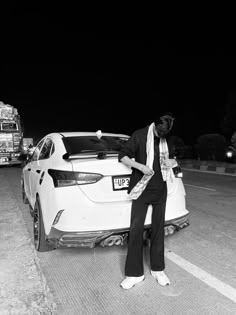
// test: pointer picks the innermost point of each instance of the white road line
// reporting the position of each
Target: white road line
(200, 187)
(202, 275)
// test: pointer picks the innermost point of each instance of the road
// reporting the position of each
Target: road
(200, 261)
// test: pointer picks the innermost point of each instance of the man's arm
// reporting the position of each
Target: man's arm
(141, 167)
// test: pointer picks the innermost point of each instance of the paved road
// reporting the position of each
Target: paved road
(200, 261)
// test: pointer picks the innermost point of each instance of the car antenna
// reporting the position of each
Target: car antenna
(99, 134)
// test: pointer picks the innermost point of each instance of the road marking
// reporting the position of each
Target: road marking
(202, 275)
(200, 187)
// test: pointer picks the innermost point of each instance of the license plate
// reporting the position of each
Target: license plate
(120, 182)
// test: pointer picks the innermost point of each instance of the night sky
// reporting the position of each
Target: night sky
(63, 79)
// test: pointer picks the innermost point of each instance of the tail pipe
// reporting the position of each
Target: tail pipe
(114, 240)
(170, 229)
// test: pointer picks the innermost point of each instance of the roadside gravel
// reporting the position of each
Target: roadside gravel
(23, 288)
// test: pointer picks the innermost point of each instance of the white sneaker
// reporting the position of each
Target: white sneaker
(161, 277)
(129, 282)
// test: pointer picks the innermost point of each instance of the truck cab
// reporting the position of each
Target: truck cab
(11, 135)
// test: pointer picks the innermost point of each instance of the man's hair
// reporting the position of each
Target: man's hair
(164, 123)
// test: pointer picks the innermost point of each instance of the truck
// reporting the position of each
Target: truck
(11, 135)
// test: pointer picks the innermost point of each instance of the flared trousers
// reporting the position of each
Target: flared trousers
(134, 260)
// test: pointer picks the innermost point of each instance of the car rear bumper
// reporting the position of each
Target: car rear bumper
(111, 237)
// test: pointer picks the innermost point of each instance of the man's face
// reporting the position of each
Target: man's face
(164, 125)
(162, 130)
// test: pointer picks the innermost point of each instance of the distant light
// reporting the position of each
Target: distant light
(229, 154)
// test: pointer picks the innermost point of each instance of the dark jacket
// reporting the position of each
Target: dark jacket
(135, 148)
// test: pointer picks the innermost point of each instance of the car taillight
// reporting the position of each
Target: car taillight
(177, 171)
(68, 178)
(87, 178)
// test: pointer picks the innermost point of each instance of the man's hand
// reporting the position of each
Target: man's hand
(146, 170)
(170, 163)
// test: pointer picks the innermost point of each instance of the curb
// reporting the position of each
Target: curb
(226, 170)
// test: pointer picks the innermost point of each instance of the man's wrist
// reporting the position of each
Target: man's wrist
(141, 168)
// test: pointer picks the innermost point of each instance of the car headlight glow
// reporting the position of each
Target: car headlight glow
(229, 154)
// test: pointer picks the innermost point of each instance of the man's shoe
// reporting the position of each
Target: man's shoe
(129, 282)
(161, 277)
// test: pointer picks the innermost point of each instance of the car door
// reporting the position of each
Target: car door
(39, 167)
(26, 180)
(31, 169)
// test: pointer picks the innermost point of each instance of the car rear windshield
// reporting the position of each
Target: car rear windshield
(83, 144)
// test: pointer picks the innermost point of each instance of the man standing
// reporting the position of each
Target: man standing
(147, 153)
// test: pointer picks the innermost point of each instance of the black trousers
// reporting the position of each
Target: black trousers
(134, 259)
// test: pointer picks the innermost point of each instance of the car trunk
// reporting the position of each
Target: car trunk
(112, 187)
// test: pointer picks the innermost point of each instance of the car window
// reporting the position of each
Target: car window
(37, 151)
(46, 149)
(52, 149)
(75, 145)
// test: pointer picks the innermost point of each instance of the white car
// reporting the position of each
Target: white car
(77, 192)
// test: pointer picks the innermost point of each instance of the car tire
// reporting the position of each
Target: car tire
(40, 242)
(31, 210)
(24, 198)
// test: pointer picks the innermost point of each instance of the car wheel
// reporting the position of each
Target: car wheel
(24, 198)
(40, 242)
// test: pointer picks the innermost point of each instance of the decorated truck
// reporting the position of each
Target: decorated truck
(11, 135)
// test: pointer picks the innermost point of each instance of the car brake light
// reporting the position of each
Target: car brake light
(68, 178)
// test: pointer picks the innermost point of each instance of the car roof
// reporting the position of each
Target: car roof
(85, 133)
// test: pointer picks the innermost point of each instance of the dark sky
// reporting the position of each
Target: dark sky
(62, 79)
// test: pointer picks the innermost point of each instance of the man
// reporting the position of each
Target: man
(147, 153)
